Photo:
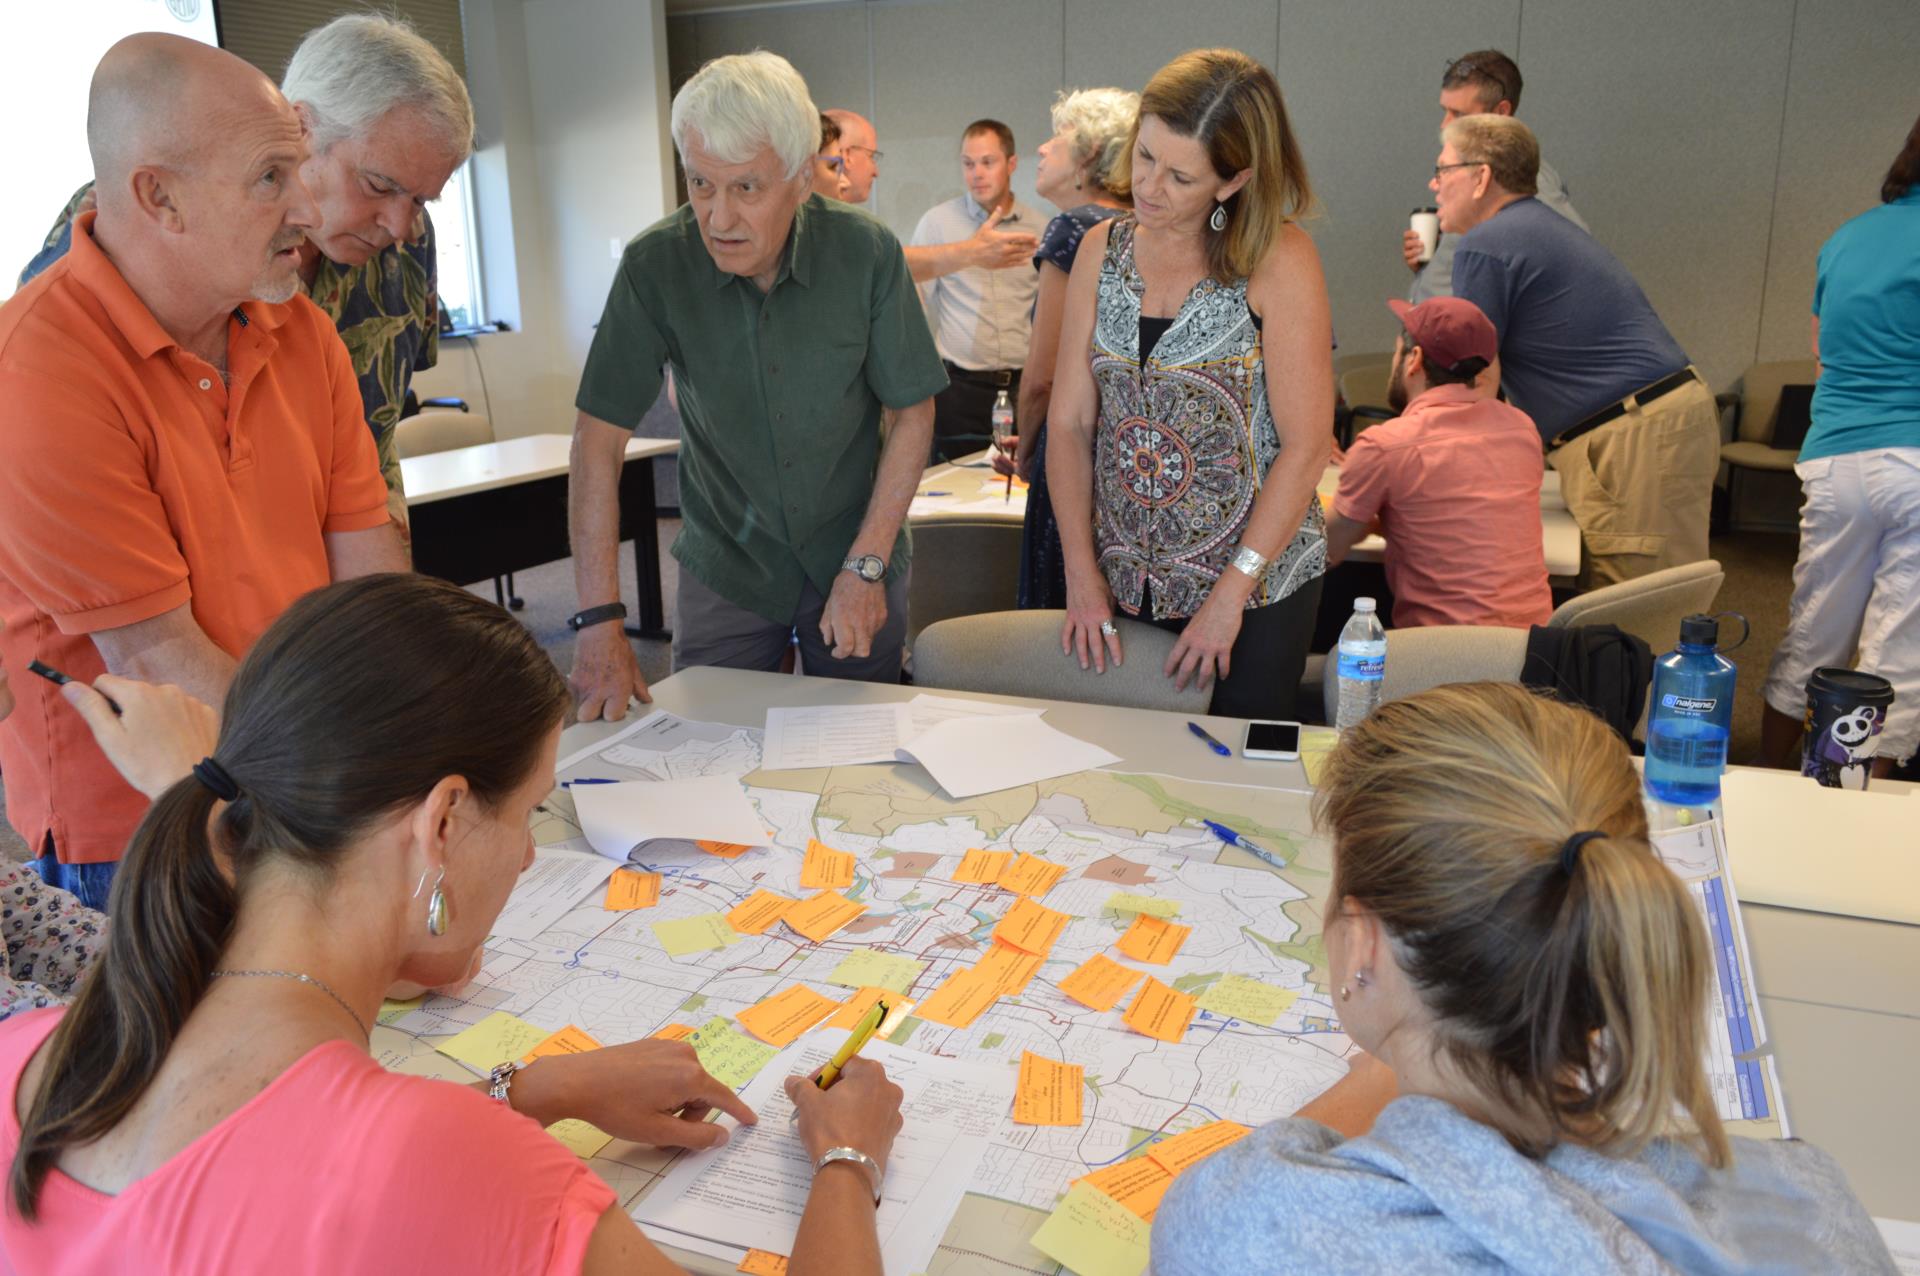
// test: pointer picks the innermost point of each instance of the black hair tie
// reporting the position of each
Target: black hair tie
(214, 778)
(1570, 849)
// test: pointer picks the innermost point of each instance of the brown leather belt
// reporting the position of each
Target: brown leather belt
(1644, 395)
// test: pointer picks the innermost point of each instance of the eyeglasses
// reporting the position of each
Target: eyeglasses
(877, 155)
(1441, 168)
(837, 163)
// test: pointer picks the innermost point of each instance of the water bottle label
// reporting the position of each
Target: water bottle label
(1689, 704)
(1363, 668)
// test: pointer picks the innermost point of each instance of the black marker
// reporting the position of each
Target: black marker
(54, 675)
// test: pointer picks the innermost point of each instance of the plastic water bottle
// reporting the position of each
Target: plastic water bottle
(1362, 664)
(1691, 716)
(1002, 418)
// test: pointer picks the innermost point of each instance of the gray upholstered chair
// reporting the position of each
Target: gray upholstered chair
(1649, 607)
(1017, 653)
(440, 430)
(962, 566)
(1756, 406)
(1430, 656)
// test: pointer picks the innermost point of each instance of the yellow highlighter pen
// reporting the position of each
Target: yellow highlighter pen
(855, 1042)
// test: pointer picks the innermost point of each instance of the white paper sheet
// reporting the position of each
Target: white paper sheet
(930, 711)
(971, 756)
(1903, 1238)
(618, 817)
(562, 875)
(750, 1193)
(834, 735)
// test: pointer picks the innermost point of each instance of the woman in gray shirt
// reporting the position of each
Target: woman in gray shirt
(1529, 983)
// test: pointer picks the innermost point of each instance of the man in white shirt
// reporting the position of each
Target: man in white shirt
(981, 317)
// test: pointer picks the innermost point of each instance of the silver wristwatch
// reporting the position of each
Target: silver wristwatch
(501, 1079)
(1249, 560)
(858, 1158)
(868, 567)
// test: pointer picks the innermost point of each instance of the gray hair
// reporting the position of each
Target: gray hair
(744, 101)
(353, 71)
(1503, 144)
(1101, 121)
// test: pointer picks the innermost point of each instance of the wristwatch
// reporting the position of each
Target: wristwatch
(858, 1158)
(868, 567)
(501, 1079)
(596, 615)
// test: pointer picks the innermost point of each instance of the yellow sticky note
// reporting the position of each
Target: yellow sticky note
(781, 1018)
(1237, 997)
(821, 916)
(871, 968)
(855, 1008)
(731, 1056)
(1144, 904)
(752, 915)
(1137, 1184)
(725, 850)
(1031, 875)
(1177, 1154)
(495, 1039)
(1160, 1012)
(1092, 1234)
(1153, 940)
(700, 933)
(760, 1262)
(1100, 983)
(982, 868)
(959, 1001)
(826, 869)
(1031, 927)
(1007, 968)
(675, 1032)
(391, 1010)
(628, 889)
(1316, 746)
(1048, 1092)
(569, 1040)
(582, 1138)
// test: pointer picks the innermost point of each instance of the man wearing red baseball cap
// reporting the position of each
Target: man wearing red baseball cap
(1453, 482)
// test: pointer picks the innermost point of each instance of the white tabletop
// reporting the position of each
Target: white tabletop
(1840, 995)
(462, 471)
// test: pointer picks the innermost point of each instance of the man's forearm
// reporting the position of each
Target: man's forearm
(927, 262)
(593, 509)
(376, 549)
(169, 648)
(909, 435)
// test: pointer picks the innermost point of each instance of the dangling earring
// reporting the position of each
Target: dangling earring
(1219, 219)
(436, 903)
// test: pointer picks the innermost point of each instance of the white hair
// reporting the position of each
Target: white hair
(1101, 121)
(744, 101)
(351, 72)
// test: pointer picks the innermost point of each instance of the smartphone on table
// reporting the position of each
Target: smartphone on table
(1272, 741)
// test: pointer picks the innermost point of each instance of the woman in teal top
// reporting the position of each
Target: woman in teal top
(1857, 582)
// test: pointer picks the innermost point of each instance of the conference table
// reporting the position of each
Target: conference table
(1840, 995)
(495, 508)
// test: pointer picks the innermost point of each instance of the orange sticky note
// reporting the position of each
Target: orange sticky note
(826, 869)
(1137, 1184)
(1048, 1092)
(822, 915)
(752, 915)
(1153, 940)
(1099, 985)
(1176, 1154)
(1160, 1012)
(982, 868)
(725, 850)
(855, 1008)
(630, 889)
(959, 1001)
(1031, 875)
(675, 1032)
(1031, 927)
(760, 1262)
(1007, 968)
(785, 1015)
(569, 1040)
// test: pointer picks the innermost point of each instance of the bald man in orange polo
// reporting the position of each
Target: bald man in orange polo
(182, 450)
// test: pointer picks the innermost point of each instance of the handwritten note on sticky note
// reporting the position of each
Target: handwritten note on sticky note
(1100, 983)
(569, 1040)
(1176, 1154)
(495, 1039)
(760, 1262)
(1237, 997)
(855, 1008)
(700, 933)
(1031, 927)
(1007, 968)
(826, 869)
(959, 1001)
(871, 968)
(725, 850)
(752, 915)
(675, 1032)
(1092, 1234)
(821, 916)
(1160, 1012)
(581, 1138)
(629, 889)
(730, 1055)
(1144, 904)
(1048, 1092)
(982, 868)
(781, 1018)
(1153, 940)
(1137, 1184)
(1031, 875)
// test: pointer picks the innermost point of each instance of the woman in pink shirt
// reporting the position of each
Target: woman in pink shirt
(208, 1103)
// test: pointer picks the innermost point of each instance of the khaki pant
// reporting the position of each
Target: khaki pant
(1641, 486)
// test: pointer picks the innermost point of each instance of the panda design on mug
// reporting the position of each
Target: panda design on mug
(1849, 740)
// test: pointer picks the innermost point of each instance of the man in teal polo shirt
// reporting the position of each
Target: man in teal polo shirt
(797, 345)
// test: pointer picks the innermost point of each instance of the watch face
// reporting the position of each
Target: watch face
(869, 567)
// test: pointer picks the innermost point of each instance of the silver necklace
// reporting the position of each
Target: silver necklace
(305, 979)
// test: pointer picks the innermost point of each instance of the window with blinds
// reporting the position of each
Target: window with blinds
(266, 32)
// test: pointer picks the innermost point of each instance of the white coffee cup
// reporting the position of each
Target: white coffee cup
(1426, 224)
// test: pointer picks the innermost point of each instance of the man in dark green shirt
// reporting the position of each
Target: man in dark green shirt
(805, 375)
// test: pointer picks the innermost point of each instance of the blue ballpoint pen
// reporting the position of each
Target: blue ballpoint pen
(1212, 743)
(1232, 838)
(586, 779)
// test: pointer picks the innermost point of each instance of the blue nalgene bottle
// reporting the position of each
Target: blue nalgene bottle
(1691, 716)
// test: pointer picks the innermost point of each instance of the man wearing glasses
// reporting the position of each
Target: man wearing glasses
(860, 159)
(1485, 82)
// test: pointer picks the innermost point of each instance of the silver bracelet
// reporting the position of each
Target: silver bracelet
(1249, 560)
(858, 1157)
(500, 1080)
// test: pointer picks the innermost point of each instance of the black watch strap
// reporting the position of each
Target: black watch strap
(595, 615)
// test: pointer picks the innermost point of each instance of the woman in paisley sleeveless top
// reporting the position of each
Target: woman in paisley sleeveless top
(1193, 395)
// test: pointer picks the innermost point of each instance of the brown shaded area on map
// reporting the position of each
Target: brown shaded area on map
(965, 943)
(1118, 870)
(911, 864)
(869, 922)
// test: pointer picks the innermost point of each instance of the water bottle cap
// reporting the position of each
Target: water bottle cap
(1700, 631)
(1363, 604)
